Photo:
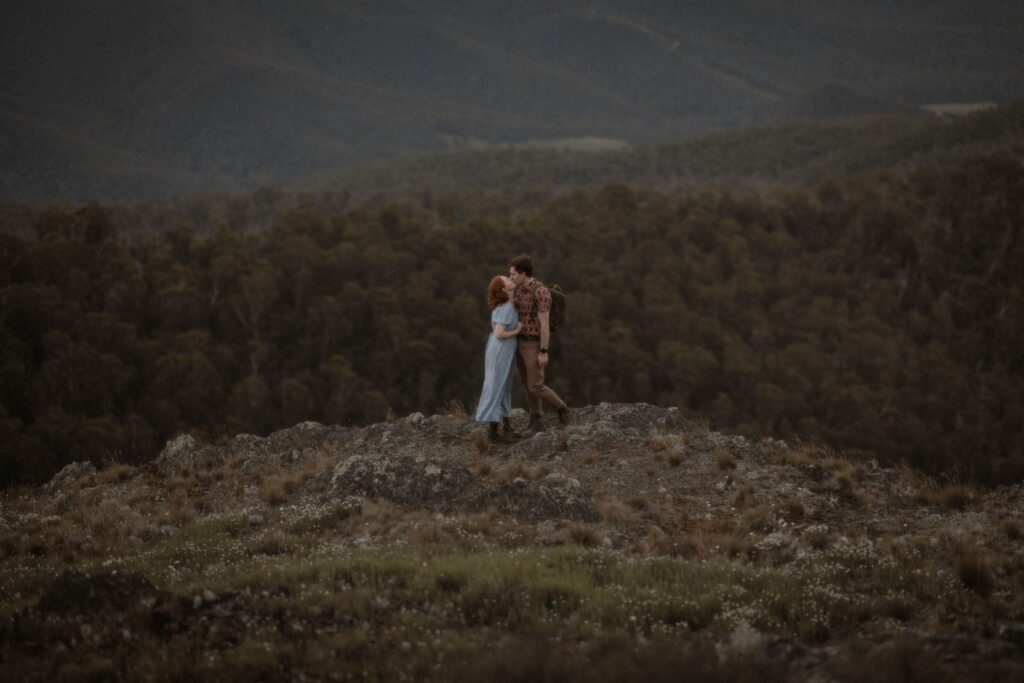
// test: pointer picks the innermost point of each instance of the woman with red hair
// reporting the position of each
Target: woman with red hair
(496, 397)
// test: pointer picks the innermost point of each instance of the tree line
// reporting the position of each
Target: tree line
(880, 313)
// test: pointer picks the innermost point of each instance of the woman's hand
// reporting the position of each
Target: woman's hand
(501, 333)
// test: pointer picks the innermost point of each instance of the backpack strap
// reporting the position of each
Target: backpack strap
(537, 284)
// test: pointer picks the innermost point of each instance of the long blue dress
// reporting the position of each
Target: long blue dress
(496, 396)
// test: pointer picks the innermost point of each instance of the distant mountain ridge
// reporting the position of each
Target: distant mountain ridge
(773, 154)
(113, 100)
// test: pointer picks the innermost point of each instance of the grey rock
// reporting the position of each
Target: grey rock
(179, 452)
(427, 482)
(540, 446)
(70, 473)
(554, 496)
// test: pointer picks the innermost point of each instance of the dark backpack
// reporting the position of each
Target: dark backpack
(557, 316)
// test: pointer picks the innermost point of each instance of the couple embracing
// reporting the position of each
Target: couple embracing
(520, 330)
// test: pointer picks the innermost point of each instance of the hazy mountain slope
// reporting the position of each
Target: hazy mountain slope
(238, 93)
(785, 153)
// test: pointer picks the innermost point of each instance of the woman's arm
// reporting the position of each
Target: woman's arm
(502, 333)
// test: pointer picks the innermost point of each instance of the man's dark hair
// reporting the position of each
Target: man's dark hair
(523, 264)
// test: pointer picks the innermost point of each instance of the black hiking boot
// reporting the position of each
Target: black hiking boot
(511, 433)
(499, 438)
(564, 414)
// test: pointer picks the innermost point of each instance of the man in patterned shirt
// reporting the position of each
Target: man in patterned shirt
(533, 304)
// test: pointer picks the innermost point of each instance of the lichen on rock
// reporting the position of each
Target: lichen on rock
(423, 482)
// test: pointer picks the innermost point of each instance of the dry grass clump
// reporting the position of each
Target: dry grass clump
(638, 503)
(658, 543)
(492, 524)
(514, 470)
(1012, 528)
(581, 535)
(540, 471)
(277, 486)
(431, 534)
(675, 458)
(758, 519)
(725, 459)
(697, 425)
(229, 467)
(481, 444)
(456, 408)
(799, 457)
(274, 543)
(743, 498)
(482, 467)
(181, 508)
(115, 473)
(614, 511)
(658, 443)
(794, 509)
(519, 470)
(974, 567)
(952, 495)
(182, 485)
(562, 440)
(272, 491)
(818, 537)
(737, 547)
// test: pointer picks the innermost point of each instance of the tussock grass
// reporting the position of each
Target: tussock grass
(974, 566)
(743, 498)
(794, 509)
(950, 492)
(456, 408)
(658, 443)
(115, 473)
(725, 459)
(482, 467)
(582, 535)
(615, 511)
(951, 495)
(758, 519)
(520, 470)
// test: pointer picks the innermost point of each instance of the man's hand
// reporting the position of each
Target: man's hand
(542, 359)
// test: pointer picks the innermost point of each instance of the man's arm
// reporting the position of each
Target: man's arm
(545, 335)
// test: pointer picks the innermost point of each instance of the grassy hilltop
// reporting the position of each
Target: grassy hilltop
(632, 544)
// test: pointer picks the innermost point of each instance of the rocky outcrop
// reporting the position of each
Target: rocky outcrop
(71, 473)
(180, 452)
(431, 483)
(555, 496)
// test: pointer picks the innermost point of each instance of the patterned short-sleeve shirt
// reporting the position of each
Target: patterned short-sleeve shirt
(524, 298)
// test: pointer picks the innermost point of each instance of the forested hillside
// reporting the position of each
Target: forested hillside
(801, 154)
(881, 313)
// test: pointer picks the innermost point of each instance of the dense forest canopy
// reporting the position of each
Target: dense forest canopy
(882, 313)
